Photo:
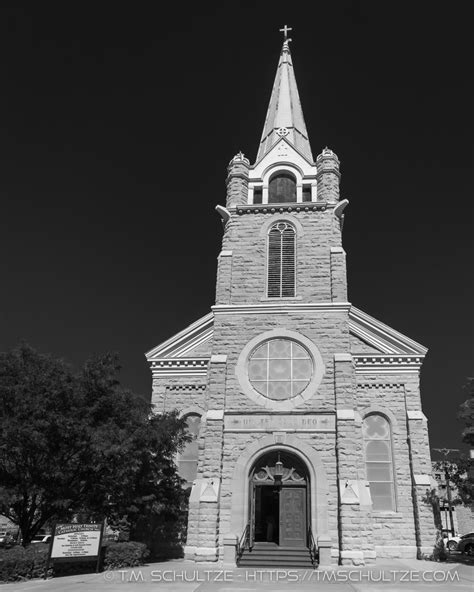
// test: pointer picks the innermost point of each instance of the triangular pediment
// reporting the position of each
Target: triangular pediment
(284, 153)
(194, 341)
(368, 335)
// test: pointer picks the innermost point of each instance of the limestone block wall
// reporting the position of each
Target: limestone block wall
(242, 270)
(411, 527)
(181, 392)
(327, 329)
(328, 175)
(237, 181)
(202, 543)
(356, 540)
(235, 494)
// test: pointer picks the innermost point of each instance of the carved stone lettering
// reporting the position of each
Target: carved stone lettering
(285, 422)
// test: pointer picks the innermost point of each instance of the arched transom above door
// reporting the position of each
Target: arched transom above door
(293, 470)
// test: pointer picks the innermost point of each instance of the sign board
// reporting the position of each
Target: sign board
(76, 542)
(310, 422)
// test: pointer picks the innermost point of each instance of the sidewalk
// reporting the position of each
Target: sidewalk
(184, 576)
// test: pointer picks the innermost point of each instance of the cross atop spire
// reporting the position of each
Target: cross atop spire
(285, 32)
(285, 115)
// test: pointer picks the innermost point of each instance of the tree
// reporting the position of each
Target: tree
(73, 442)
(466, 414)
(462, 471)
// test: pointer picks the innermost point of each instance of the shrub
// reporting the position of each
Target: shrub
(131, 554)
(439, 551)
(19, 563)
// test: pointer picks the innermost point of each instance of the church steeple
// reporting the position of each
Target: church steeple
(285, 115)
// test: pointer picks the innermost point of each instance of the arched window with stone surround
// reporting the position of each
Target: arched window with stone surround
(281, 265)
(188, 459)
(282, 188)
(379, 461)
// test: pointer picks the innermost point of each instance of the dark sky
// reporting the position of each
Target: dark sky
(117, 125)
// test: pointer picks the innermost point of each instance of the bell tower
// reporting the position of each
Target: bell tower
(284, 202)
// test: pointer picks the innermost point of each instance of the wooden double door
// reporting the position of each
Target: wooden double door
(279, 515)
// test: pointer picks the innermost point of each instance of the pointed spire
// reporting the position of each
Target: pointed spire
(285, 115)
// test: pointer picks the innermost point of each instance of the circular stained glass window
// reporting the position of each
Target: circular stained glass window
(280, 369)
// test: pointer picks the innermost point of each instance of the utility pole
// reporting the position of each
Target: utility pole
(445, 452)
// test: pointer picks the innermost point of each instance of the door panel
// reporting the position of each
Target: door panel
(293, 517)
(252, 515)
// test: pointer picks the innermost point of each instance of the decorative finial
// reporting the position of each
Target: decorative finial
(239, 157)
(285, 32)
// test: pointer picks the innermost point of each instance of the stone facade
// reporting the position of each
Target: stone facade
(361, 368)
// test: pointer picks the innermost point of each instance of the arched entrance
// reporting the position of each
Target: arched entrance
(279, 502)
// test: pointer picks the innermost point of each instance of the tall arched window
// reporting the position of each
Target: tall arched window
(188, 459)
(281, 260)
(282, 188)
(379, 461)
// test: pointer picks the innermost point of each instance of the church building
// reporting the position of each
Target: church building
(310, 444)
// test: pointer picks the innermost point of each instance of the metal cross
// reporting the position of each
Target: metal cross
(285, 32)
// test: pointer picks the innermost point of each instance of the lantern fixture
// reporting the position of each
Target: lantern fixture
(278, 472)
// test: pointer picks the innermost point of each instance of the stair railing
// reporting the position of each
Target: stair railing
(313, 550)
(243, 541)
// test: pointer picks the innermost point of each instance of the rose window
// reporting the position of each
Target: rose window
(280, 369)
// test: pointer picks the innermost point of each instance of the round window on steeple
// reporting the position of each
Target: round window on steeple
(282, 188)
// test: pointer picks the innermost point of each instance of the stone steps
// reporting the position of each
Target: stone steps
(274, 556)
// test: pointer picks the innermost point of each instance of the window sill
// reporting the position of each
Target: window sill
(283, 298)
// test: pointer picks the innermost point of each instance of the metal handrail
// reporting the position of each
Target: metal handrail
(244, 539)
(313, 550)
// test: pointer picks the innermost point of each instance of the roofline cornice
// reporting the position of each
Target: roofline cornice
(179, 367)
(380, 364)
(280, 308)
(309, 206)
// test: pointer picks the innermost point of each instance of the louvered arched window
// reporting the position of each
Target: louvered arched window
(379, 462)
(281, 260)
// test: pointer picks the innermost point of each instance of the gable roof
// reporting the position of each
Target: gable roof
(181, 345)
(382, 338)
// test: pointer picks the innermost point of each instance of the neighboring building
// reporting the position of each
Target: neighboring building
(284, 375)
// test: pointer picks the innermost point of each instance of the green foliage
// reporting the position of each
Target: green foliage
(19, 563)
(461, 477)
(23, 563)
(439, 551)
(152, 509)
(79, 442)
(163, 526)
(120, 555)
(461, 473)
(466, 413)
